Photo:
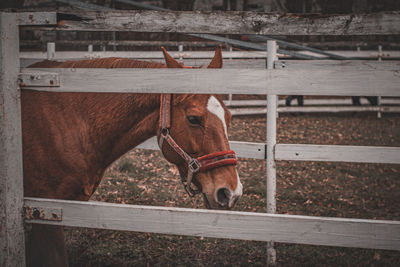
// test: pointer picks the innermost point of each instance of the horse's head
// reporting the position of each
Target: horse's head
(198, 128)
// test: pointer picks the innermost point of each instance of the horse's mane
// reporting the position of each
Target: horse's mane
(110, 62)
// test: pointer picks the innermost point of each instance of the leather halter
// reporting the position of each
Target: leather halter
(200, 164)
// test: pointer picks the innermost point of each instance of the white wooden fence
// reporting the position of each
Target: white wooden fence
(225, 224)
(254, 60)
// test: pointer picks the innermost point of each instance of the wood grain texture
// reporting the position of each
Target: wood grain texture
(12, 248)
(376, 234)
(340, 65)
(233, 22)
(228, 81)
(363, 54)
(261, 55)
(156, 43)
(64, 55)
(364, 154)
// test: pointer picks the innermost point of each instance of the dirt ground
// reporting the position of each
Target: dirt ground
(370, 191)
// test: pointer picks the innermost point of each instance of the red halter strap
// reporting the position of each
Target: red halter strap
(200, 164)
(217, 159)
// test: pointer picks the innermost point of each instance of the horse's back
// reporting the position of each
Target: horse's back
(109, 62)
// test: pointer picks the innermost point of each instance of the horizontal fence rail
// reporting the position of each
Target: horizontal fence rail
(138, 43)
(306, 152)
(378, 234)
(242, 149)
(311, 102)
(225, 81)
(316, 109)
(303, 109)
(231, 22)
(341, 65)
(64, 55)
(364, 154)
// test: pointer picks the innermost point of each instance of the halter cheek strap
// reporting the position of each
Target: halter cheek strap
(194, 165)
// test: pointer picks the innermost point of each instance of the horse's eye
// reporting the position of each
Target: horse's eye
(195, 120)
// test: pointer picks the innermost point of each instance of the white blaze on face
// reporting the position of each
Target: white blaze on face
(215, 107)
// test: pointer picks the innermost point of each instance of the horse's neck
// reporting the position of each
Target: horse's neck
(74, 137)
(122, 121)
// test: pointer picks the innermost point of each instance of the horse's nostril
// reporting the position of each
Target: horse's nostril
(223, 196)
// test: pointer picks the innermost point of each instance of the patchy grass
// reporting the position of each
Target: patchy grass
(349, 190)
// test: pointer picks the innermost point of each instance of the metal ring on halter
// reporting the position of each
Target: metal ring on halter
(164, 132)
(194, 165)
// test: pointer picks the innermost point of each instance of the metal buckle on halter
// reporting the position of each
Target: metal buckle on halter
(164, 132)
(194, 165)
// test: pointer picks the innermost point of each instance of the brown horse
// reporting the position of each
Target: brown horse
(69, 140)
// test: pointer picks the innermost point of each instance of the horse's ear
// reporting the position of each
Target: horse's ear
(216, 62)
(170, 61)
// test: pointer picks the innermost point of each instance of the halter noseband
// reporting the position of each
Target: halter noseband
(200, 164)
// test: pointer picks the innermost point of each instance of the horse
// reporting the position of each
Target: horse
(69, 140)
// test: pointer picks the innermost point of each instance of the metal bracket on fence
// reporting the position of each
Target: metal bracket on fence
(278, 64)
(39, 79)
(37, 18)
(46, 214)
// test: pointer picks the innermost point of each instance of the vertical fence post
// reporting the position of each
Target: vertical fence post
(276, 58)
(378, 99)
(90, 48)
(51, 51)
(230, 95)
(180, 53)
(271, 141)
(12, 248)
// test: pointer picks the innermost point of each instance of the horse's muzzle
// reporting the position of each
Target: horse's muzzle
(226, 198)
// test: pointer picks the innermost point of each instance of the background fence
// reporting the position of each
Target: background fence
(357, 81)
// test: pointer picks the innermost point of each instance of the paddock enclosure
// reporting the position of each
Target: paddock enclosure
(342, 78)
